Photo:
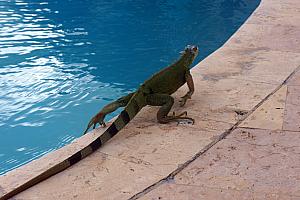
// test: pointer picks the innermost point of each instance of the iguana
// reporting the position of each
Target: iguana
(155, 91)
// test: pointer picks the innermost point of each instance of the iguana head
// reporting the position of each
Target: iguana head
(189, 54)
(191, 49)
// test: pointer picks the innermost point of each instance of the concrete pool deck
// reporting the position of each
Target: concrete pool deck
(245, 143)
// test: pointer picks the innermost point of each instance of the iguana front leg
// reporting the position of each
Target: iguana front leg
(109, 108)
(190, 83)
(166, 102)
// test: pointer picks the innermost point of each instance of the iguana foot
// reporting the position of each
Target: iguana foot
(178, 118)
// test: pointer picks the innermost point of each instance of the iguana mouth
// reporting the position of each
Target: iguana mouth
(195, 50)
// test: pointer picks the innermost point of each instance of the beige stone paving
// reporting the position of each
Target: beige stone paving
(270, 114)
(295, 81)
(248, 164)
(253, 64)
(90, 180)
(229, 83)
(277, 12)
(285, 38)
(245, 161)
(172, 191)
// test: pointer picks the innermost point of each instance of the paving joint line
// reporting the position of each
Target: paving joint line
(222, 136)
(265, 129)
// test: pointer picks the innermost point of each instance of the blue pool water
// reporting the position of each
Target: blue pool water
(62, 60)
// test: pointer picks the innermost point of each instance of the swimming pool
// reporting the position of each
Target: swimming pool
(61, 61)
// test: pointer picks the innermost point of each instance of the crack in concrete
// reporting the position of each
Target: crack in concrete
(222, 136)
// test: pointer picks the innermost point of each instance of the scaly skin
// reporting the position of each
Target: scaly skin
(155, 91)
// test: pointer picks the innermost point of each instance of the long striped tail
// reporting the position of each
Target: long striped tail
(136, 103)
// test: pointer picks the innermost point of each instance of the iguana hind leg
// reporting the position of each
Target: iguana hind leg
(111, 107)
(166, 102)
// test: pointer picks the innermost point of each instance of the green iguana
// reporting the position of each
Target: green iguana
(155, 91)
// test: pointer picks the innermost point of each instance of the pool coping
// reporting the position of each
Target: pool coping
(260, 21)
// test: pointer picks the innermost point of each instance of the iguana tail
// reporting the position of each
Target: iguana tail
(136, 103)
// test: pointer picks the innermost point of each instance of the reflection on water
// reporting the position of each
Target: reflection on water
(63, 60)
